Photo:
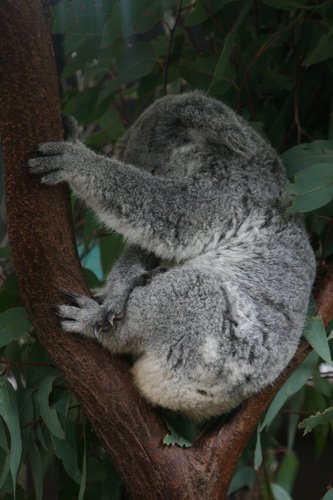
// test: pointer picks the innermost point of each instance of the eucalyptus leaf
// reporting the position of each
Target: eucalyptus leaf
(293, 384)
(40, 435)
(205, 9)
(328, 495)
(258, 450)
(83, 105)
(245, 477)
(36, 468)
(66, 451)
(312, 188)
(9, 413)
(14, 323)
(279, 493)
(316, 335)
(227, 47)
(287, 471)
(4, 468)
(139, 61)
(127, 18)
(175, 439)
(48, 414)
(320, 418)
(307, 155)
(323, 51)
(84, 466)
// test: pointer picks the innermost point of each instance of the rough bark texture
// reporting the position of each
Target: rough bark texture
(46, 262)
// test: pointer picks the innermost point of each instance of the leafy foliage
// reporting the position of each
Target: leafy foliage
(272, 62)
(326, 417)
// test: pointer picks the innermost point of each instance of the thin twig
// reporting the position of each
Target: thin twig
(296, 87)
(172, 33)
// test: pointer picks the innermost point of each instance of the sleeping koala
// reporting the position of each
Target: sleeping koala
(227, 273)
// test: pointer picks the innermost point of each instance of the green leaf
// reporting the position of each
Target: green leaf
(86, 52)
(307, 155)
(319, 418)
(66, 451)
(40, 436)
(82, 105)
(15, 323)
(245, 477)
(316, 335)
(48, 414)
(258, 450)
(288, 471)
(328, 495)
(279, 493)
(293, 384)
(322, 385)
(175, 439)
(36, 468)
(9, 412)
(228, 46)
(4, 472)
(83, 17)
(312, 187)
(25, 405)
(138, 62)
(130, 17)
(204, 10)
(323, 51)
(296, 403)
(84, 465)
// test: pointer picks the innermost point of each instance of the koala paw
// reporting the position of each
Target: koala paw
(55, 162)
(84, 315)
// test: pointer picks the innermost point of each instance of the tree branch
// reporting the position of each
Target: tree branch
(44, 253)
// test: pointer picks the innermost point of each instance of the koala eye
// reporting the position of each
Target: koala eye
(153, 170)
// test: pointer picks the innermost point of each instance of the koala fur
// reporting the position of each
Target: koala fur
(211, 294)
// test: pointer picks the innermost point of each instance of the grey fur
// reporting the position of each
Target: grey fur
(194, 189)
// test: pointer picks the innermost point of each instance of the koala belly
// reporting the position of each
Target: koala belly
(172, 390)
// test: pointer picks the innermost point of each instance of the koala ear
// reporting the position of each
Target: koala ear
(210, 120)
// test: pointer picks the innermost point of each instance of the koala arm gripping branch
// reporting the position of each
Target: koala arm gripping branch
(176, 218)
(133, 268)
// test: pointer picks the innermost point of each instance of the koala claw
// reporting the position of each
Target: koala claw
(113, 316)
(100, 328)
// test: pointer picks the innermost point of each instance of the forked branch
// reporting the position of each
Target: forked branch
(44, 253)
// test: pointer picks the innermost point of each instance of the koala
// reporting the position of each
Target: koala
(210, 296)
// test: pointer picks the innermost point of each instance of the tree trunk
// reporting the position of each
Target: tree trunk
(46, 262)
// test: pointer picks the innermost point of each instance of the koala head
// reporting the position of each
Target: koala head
(174, 129)
(153, 138)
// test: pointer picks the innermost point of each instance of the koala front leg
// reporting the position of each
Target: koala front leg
(133, 268)
(174, 218)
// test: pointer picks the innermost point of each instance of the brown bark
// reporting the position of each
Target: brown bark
(43, 249)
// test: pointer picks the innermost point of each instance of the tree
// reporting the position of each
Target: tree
(44, 253)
